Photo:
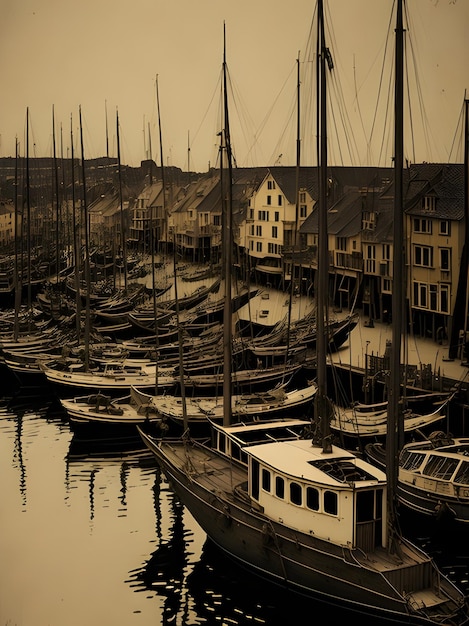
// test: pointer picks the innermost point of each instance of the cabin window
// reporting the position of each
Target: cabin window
(312, 498)
(440, 467)
(266, 480)
(255, 479)
(462, 476)
(235, 452)
(330, 502)
(365, 506)
(279, 487)
(411, 460)
(296, 494)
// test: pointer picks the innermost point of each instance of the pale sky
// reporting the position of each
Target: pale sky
(104, 56)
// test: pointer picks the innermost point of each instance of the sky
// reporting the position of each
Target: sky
(156, 65)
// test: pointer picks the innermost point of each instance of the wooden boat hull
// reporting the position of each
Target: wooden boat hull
(298, 561)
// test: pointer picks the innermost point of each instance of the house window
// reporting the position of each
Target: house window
(429, 203)
(251, 214)
(252, 230)
(370, 259)
(341, 243)
(302, 196)
(269, 200)
(445, 227)
(274, 232)
(271, 184)
(280, 200)
(420, 295)
(422, 226)
(444, 298)
(259, 231)
(259, 246)
(303, 210)
(423, 256)
(277, 216)
(386, 252)
(263, 216)
(368, 220)
(445, 259)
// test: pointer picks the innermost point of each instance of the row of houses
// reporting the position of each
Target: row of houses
(275, 234)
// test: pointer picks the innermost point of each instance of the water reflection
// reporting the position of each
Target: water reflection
(165, 571)
(86, 460)
(112, 531)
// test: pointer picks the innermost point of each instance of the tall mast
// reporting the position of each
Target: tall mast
(76, 238)
(107, 133)
(87, 253)
(17, 276)
(163, 182)
(297, 208)
(394, 416)
(123, 220)
(57, 202)
(227, 249)
(322, 404)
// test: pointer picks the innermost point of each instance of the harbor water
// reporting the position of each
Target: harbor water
(92, 537)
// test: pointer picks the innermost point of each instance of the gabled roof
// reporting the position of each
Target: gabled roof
(106, 205)
(444, 181)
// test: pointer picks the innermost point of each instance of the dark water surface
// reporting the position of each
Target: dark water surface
(92, 540)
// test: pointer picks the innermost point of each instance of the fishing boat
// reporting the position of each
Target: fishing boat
(433, 478)
(363, 420)
(302, 512)
(70, 376)
(101, 414)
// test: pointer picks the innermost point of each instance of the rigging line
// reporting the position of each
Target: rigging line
(409, 105)
(459, 133)
(267, 117)
(380, 85)
(215, 91)
(360, 116)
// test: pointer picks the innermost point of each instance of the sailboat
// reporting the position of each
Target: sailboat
(433, 473)
(298, 510)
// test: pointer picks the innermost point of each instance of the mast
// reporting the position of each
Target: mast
(17, 276)
(322, 404)
(28, 219)
(227, 250)
(57, 202)
(394, 415)
(87, 253)
(76, 239)
(122, 216)
(163, 182)
(297, 208)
